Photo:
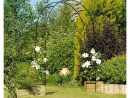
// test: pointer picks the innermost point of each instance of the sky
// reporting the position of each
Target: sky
(33, 2)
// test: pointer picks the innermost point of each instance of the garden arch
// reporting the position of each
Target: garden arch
(52, 5)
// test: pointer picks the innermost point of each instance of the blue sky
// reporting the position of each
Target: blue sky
(33, 2)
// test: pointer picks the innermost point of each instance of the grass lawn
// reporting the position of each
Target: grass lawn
(72, 92)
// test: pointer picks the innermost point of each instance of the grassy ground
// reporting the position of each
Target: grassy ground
(71, 92)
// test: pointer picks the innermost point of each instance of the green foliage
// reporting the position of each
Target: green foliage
(26, 76)
(61, 56)
(57, 79)
(114, 70)
(103, 26)
(61, 40)
(18, 17)
(105, 23)
(60, 44)
(53, 79)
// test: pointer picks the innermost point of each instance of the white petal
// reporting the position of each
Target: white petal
(92, 51)
(98, 61)
(83, 65)
(84, 55)
(37, 48)
(93, 58)
(87, 63)
(45, 60)
(33, 63)
(37, 67)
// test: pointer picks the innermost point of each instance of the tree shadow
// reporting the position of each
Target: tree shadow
(50, 93)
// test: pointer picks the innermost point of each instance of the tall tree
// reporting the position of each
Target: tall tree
(105, 24)
(18, 18)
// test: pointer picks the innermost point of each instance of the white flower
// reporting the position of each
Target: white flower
(98, 61)
(37, 48)
(45, 60)
(83, 65)
(47, 72)
(92, 51)
(84, 55)
(93, 58)
(86, 64)
(35, 65)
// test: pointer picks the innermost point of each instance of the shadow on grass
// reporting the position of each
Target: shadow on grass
(50, 93)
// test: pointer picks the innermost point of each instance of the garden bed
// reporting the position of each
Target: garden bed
(39, 91)
(99, 86)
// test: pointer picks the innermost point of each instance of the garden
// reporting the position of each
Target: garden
(65, 49)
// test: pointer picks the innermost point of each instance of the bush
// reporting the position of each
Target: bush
(114, 70)
(57, 79)
(61, 56)
(26, 77)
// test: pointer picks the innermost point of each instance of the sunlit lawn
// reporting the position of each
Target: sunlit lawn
(72, 92)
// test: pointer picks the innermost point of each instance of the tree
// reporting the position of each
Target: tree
(60, 43)
(17, 27)
(105, 24)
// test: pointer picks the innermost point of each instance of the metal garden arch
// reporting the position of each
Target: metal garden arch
(52, 5)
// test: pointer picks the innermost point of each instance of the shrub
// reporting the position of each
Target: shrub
(114, 70)
(25, 77)
(90, 66)
(57, 79)
(61, 56)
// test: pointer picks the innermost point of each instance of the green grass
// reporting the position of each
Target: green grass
(72, 92)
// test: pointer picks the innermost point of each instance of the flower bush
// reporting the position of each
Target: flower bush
(40, 66)
(89, 68)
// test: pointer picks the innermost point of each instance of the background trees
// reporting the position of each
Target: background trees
(105, 28)
(61, 34)
(18, 17)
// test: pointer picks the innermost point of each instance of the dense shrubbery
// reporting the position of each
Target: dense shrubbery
(105, 29)
(62, 41)
(26, 76)
(58, 79)
(114, 70)
(61, 56)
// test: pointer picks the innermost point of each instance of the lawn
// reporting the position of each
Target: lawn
(72, 92)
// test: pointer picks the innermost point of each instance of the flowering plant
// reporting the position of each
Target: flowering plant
(90, 64)
(39, 65)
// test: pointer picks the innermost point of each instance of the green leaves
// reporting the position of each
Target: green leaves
(114, 70)
(18, 17)
(61, 56)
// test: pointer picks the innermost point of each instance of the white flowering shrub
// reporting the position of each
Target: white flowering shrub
(89, 67)
(40, 65)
